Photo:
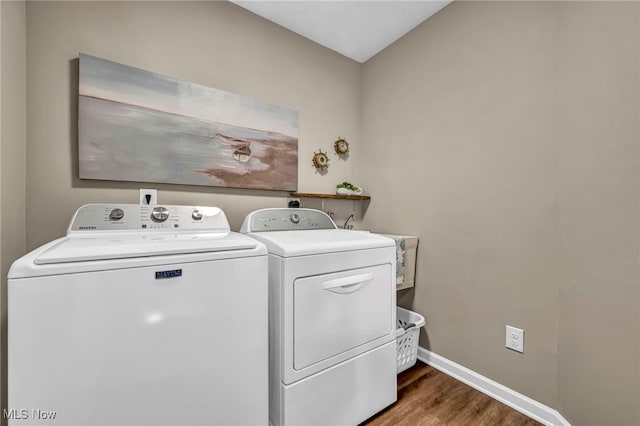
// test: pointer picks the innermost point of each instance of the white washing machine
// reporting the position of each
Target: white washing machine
(141, 315)
(332, 318)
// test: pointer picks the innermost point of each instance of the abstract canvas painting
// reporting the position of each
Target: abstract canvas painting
(135, 125)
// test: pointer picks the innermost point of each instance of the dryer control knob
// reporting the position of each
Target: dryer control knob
(159, 214)
(295, 218)
(196, 215)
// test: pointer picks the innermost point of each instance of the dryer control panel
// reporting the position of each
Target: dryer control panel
(287, 220)
(133, 217)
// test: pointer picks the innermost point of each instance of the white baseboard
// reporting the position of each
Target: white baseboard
(522, 403)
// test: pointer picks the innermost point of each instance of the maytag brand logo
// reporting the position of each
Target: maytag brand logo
(173, 273)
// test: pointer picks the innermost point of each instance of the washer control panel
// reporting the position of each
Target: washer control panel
(287, 220)
(134, 217)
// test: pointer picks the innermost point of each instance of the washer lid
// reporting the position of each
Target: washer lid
(81, 249)
(304, 243)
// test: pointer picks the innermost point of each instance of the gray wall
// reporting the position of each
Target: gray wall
(12, 153)
(597, 95)
(506, 136)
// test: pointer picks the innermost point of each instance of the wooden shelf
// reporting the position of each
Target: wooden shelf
(331, 196)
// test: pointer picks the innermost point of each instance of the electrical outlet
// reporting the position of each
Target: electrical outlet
(148, 197)
(293, 202)
(515, 339)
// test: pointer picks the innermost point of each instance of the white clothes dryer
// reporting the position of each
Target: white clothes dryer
(141, 315)
(332, 318)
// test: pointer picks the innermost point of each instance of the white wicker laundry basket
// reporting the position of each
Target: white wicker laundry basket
(407, 334)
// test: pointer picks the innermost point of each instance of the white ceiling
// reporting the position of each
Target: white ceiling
(356, 29)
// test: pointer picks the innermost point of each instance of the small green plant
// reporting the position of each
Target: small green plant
(347, 185)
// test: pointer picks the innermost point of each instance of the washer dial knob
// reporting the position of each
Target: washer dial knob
(295, 218)
(116, 214)
(159, 214)
(196, 215)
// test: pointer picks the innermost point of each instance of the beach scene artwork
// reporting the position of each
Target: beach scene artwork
(135, 125)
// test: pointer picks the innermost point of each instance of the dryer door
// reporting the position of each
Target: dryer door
(340, 311)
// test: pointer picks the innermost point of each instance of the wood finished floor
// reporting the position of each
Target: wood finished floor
(427, 396)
